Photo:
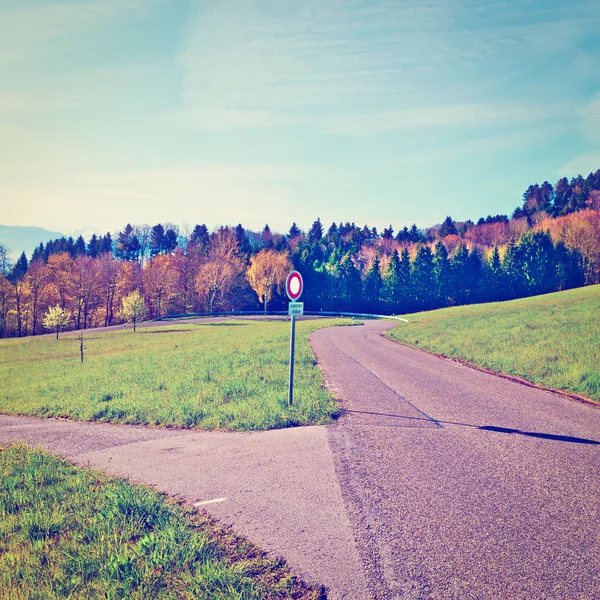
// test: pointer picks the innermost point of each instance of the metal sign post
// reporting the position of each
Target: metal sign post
(293, 287)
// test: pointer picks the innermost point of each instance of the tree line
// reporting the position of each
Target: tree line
(163, 270)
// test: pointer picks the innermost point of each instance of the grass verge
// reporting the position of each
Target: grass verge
(67, 532)
(225, 375)
(551, 340)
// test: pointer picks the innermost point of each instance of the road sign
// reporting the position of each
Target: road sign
(294, 285)
(295, 309)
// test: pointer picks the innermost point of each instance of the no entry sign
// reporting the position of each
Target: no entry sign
(294, 285)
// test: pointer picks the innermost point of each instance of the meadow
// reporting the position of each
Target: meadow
(67, 532)
(222, 375)
(551, 340)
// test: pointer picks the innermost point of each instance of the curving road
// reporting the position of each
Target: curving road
(438, 482)
(460, 484)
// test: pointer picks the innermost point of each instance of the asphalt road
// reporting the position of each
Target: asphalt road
(438, 481)
(460, 484)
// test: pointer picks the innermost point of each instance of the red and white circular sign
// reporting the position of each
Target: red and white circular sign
(294, 285)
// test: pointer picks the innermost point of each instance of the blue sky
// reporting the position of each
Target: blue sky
(256, 111)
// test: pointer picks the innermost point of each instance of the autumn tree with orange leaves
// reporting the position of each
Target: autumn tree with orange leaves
(221, 274)
(267, 273)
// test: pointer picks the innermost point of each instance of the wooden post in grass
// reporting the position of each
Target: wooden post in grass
(80, 338)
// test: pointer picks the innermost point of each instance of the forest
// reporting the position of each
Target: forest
(551, 242)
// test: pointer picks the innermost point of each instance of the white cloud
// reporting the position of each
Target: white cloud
(358, 68)
(466, 115)
(590, 120)
(582, 164)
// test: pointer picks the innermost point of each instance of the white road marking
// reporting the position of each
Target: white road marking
(209, 501)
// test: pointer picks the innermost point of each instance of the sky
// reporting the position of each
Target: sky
(272, 111)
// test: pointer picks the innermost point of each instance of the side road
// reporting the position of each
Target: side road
(278, 488)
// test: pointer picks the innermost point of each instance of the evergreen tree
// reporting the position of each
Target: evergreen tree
(79, 247)
(351, 285)
(170, 241)
(538, 263)
(93, 247)
(39, 253)
(200, 236)
(443, 275)
(157, 240)
(388, 233)
(294, 232)
(513, 271)
(19, 269)
(372, 286)
(496, 279)
(460, 277)
(415, 235)
(106, 246)
(424, 279)
(128, 245)
(267, 237)
(391, 294)
(242, 239)
(403, 235)
(332, 231)
(447, 228)
(315, 233)
(405, 292)
(70, 246)
(474, 276)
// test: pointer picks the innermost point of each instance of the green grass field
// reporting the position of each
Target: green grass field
(225, 375)
(551, 340)
(74, 533)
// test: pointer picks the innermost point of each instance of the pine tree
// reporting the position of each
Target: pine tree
(157, 240)
(424, 278)
(294, 232)
(200, 236)
(19, 269)
(267, 237)
(406, 293)
(460, 267)
(351, 285)
(79, 247)
(93, 247)
(447, 228)
(443, 275)
(372, 286)
(497, 283)
(170, 241)
(39, 253)
(106, 244)
(315, 233)
(242, 239)
(392, 284)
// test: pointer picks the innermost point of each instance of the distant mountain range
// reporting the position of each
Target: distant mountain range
(19, 239)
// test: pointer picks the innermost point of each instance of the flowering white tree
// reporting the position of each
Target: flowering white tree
(56, 317)
(133, 308)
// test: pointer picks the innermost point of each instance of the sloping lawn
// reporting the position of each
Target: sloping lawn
(551, 340)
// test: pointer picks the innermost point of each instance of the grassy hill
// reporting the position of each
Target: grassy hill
(225, 375)
(551, 340)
